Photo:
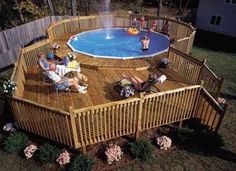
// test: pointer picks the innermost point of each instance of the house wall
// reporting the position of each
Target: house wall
(207, 8)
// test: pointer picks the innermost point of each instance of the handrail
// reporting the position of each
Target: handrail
(212, 99)
(36, 45)
(40, 105)
(211, 72)
(186, 56)
(172, 91)
(106, 105)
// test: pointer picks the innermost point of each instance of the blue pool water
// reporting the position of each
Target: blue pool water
(121, 45)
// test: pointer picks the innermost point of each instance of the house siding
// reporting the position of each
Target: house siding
(208, 8)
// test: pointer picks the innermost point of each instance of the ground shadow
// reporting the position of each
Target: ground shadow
(210, 145)
(110, 92)
(215, 41)
(41, 89)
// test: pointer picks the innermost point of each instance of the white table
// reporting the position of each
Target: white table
(62, 69)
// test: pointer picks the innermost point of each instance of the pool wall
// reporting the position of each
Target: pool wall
(181, 32)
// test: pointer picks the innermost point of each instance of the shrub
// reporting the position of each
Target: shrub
(208, 139)
(15, 142)
(82, 163)
(142, 149)
(47, 153)
(185, 135)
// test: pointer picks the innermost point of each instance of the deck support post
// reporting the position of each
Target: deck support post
(73, 125)
(84, 150)
(140, 111)
(180, 124)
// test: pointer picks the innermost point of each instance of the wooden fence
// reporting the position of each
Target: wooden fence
(13, 39)
(87, 126)
(195, 71)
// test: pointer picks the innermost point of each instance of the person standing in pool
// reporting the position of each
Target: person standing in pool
(145, 43)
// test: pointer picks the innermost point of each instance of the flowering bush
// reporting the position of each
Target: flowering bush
(113, 153)
(63, 158)
(9, 86)
(29, 151)
(71, 56)
(163, 142)
(9, 127)
(221, 101)
(56, 46)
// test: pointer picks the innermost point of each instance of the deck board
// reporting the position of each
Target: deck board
(100, 88)
(102, 75)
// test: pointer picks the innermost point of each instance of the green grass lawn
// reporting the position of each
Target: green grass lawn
(224, 65)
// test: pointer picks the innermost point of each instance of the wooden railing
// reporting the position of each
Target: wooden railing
(195, 71)
(182, 32)
(104, 122)
(18, 75)
(86, 126)
(208, 111)
(210, 81)
(185, 65)
(42, 120)
(30, 53)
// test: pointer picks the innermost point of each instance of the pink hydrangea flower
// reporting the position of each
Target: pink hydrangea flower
(29, 151)
(64, 158)
(113, 153)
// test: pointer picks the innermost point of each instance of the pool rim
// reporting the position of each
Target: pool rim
(117, 57)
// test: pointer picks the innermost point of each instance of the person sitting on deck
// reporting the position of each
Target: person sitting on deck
(165, 28)
(145, 43)
(42, 62)
(142, 86)
(82, 79)
(62, 82)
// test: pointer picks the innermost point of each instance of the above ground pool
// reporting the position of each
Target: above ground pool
(117, 43)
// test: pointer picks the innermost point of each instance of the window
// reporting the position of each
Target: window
(215, 20)
(230, 2)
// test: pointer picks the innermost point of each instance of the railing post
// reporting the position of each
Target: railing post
(202, 66)
(140, 111)
(221, 118)
(73, 127)
(220, 87)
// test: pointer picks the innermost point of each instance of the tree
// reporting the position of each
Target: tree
(74, 7)
(159, 4)
(51, 7)
(19, 11)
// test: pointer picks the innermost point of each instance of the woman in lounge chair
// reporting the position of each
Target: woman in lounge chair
(141, 85)
(42, 62)
(62, 82)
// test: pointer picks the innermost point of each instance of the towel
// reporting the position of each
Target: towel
(72, 64)
(161, 79)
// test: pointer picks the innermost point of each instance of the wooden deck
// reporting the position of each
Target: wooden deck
(100, 88)
(102, 75)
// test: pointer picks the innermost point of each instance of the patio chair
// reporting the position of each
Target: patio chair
(59, 90)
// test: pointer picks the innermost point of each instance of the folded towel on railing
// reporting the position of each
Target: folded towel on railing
(161, 79)
(72, 64)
